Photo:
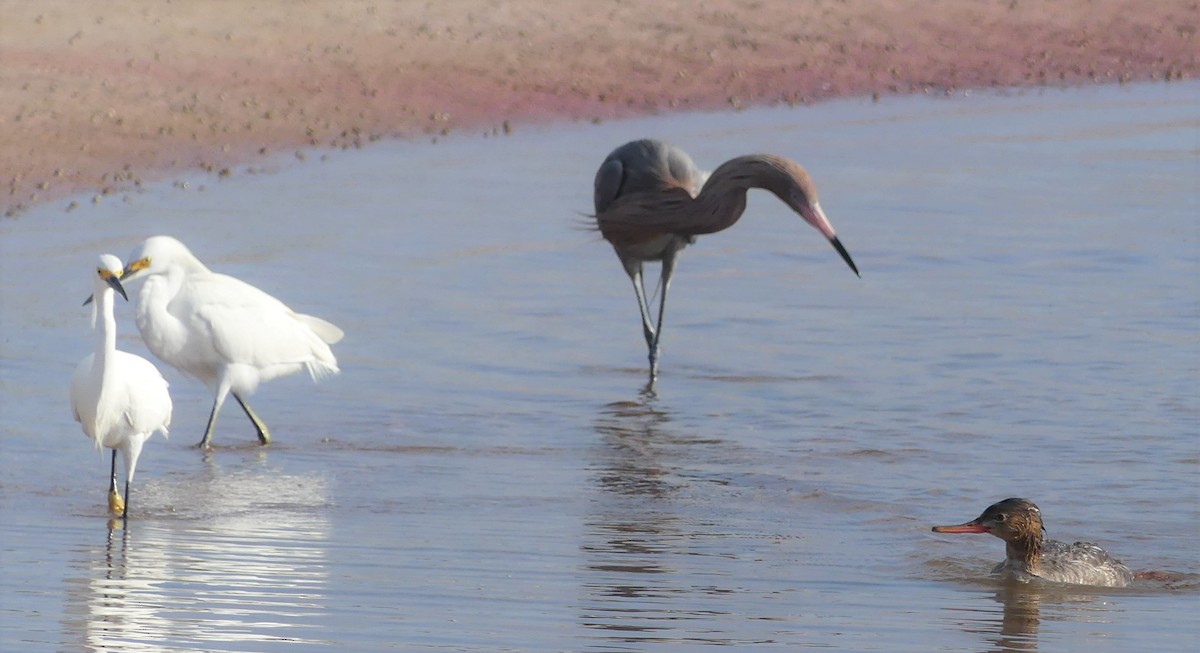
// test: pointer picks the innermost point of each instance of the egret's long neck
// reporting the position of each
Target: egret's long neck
(154, 319)
(106, 330)
(188, 263)
(158, 291)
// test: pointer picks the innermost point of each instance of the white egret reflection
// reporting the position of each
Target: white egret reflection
(255, 574)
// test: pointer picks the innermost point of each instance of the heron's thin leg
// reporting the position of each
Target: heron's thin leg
(648, 391)
(125, 513)
(264, 437)
(668, 269)
(635, 275)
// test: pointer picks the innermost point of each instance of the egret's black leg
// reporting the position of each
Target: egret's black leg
(264, 437)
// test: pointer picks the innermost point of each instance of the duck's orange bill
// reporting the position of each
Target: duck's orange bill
(970, 527)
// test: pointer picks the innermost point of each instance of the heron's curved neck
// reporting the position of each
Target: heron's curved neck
(722, 200)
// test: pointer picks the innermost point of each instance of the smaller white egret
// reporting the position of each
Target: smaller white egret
(221, 330)
(119, 399)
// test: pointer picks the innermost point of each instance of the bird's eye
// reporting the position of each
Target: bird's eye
(1001, 517)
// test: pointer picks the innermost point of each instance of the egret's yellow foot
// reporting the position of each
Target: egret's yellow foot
(116, 505)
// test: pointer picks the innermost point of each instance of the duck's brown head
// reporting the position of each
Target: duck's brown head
(1012, 520)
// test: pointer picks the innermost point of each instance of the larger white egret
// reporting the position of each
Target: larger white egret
(119, 399)
(223, 331)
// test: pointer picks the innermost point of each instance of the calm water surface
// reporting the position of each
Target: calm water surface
(489, 474)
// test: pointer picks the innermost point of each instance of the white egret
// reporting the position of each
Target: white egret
(119, 399)
(220, 330)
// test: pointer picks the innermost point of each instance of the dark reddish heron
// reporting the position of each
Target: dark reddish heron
(652, 201)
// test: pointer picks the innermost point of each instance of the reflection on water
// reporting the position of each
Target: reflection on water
(636, 584)
(1023, 608)
(633, 434)
(249, 576)
(1014, 629)
(1019, 625)
(632, 536)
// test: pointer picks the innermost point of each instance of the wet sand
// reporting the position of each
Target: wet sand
(105, 95)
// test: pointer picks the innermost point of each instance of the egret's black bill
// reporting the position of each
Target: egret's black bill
(116, 285)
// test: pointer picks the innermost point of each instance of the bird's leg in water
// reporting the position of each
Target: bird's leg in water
(125, 512)
(668, 270)
(639, 288)
(264, 437)
(115, 505)
(206, 441)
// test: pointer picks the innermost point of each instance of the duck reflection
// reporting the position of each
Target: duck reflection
(1018, 625)
(1025, 606)
(634, 541)
(185, 579)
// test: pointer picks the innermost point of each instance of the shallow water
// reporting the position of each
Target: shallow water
(488, 472)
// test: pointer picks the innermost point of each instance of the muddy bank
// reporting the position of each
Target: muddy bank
(101, 96)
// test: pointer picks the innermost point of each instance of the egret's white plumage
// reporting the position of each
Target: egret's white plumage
(221, 330)
(119, 399)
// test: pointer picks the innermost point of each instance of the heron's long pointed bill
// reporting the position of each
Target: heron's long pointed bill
(816, 217)
(837, 244)
(969, 527)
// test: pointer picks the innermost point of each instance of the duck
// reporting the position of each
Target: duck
(1028, 554)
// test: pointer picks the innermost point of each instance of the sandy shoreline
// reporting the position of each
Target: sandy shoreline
(104, 95)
